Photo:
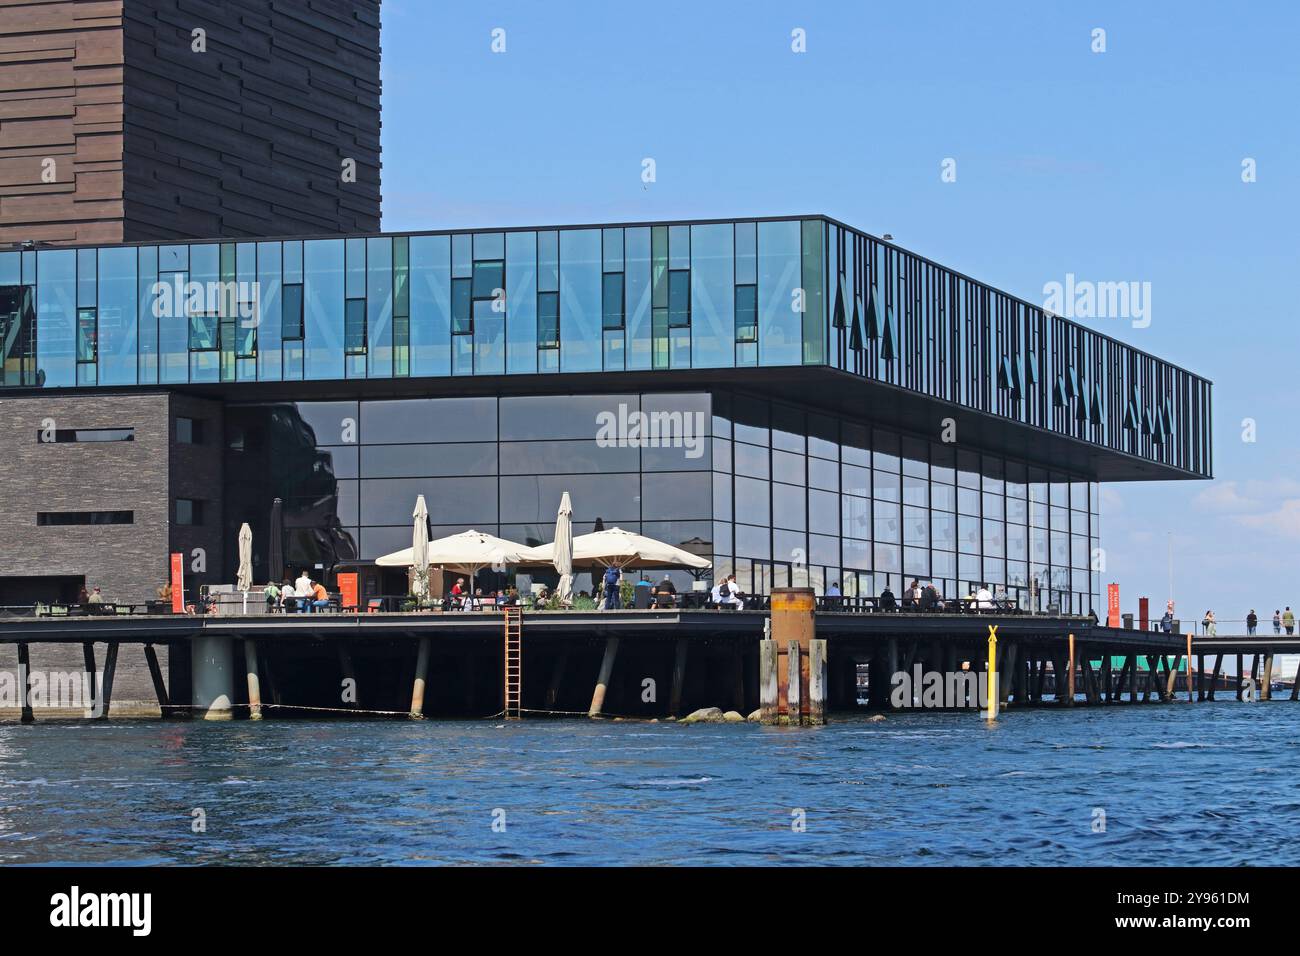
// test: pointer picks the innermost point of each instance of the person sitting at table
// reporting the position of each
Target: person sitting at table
(666, 592)
(731, 593)
(929, 596)
(983, 598)
(165, 592)
(288, 597)
(83, 596)
(320, 597)
(833, 590)
(887, 600)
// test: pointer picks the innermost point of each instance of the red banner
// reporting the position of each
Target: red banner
(1112, 605)
(178, 583)
(348, 591)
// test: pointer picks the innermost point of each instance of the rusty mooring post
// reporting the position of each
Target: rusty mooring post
(794, 624)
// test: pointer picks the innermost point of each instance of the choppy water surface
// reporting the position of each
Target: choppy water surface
(1212, 783)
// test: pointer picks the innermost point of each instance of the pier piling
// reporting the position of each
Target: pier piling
(159, 685)
(24, 683)
(602, 680)
(768, 681)
(421, 678)
(817, 681)
(106, 688)
(793, 695)
(254, 680)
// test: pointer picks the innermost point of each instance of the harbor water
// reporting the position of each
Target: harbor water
(1189, 784)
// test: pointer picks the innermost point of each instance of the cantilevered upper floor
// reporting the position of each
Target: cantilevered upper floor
(805, 306)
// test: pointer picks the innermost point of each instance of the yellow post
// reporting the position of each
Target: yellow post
(993, 673)
(1070, 674)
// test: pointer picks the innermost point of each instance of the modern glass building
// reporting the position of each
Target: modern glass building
(828, 408)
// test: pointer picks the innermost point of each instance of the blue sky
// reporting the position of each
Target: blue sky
(1124, 165)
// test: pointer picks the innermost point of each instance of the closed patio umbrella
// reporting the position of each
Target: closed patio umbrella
(244, 576)
(420, 548)
(562, 550)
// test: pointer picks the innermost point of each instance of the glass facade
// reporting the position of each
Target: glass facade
(778, 494)
(705, 295)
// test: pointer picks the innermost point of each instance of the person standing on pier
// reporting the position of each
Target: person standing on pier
(613, 576)
(1277, 622)
(1252, 622)
(1288, 621)
(1211, 629)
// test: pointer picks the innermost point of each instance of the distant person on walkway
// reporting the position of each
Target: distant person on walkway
(1252, 622)
(612, 578)
(1277, 622)
(833, 590)
(1211, 629)
(1288, 620)
(887, 600)
(1167, 622)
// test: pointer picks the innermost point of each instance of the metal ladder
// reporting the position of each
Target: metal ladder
(514, 661)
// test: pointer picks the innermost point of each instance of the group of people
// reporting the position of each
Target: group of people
(921, 597)
(1283, 620)
(301, 596)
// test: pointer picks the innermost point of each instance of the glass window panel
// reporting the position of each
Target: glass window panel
(462, 258)
(823, 512)
(430, 322)
(601, 417)
(968, 534)
(788, 468)
(888, 558)
(751, 461)
(968, 501)
(886, 485)
(580, 300)
(994, 539)
(823, 474)
(379, 307)
(993, 506)
(56, 310)
(679, 247)
(943, 531)
(1017, 542)
(943, 564)
(943, 497)
(270, 306)
(746, 252)
(753, 542)
(885, 450)
(489, 280)
(968, 475)
(855, 517)
(355, 255)
(613, 250)
(780, 339)
(610, 498)
(148, 291)
(323, 314)
(117, 310)
(521, 302)
(722, 497)
(489, 337)
(886, 521)
(916, 491)
(916, 527)
(788, 507)
(1017, 510)
(677, 496)
(428, 420)
(943, 461)
(462, 307)
(612, 300)
(790, 547)
(713, 297)
(174, 258)
(489, 245)
(855, 446)
(814, 317)
(558, 457)
(548, 320)
(856, 480)
(638, 298)
(548, 262)
(721, 453)
(752, 500)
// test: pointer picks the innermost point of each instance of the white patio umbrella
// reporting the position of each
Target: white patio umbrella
(468, 552)
(420, 548)
(244, 576)
(562, 550)
(617, 548)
